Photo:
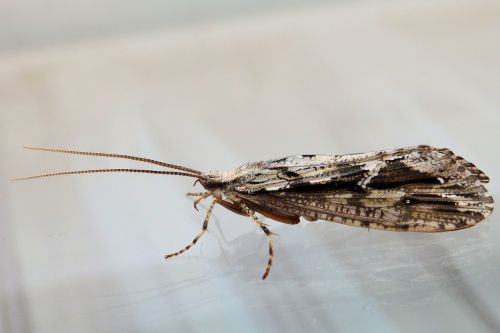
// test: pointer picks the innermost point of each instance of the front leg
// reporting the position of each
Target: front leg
(203, 230)
(201, 196)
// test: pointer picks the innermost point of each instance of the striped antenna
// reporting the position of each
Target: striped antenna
(64, 173)
(128, 157)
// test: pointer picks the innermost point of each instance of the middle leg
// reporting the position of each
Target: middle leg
(268, 233)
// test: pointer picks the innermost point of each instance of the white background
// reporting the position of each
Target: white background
(85, 253)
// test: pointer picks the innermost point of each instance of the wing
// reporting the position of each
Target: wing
(412, 207)
(378, 170)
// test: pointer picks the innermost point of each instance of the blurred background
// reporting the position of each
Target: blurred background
(212, 85)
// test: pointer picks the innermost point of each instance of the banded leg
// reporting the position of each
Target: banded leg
(203, 230)
(195, 194)
(268, 233)
(201, 195)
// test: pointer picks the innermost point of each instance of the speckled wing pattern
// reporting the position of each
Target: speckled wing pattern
(418, 188)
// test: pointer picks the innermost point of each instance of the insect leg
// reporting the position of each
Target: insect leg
(268, 233)
(203, 230)
(195, 194)
(201, 195)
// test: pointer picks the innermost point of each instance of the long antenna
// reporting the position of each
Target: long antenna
(128, 157)
(158, 172)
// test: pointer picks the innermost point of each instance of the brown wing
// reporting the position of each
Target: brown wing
(412, 207)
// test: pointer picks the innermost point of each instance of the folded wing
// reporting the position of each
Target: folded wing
(413, 189)
(383, 169)
(416, 207)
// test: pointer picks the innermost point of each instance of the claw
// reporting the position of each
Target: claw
(202, 197)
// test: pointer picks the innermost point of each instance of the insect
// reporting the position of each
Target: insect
(421, 189)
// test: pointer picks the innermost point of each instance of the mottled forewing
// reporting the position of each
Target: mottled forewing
(411, 189)
(382, 169)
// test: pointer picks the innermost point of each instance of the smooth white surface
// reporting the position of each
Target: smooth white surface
(85, 253)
